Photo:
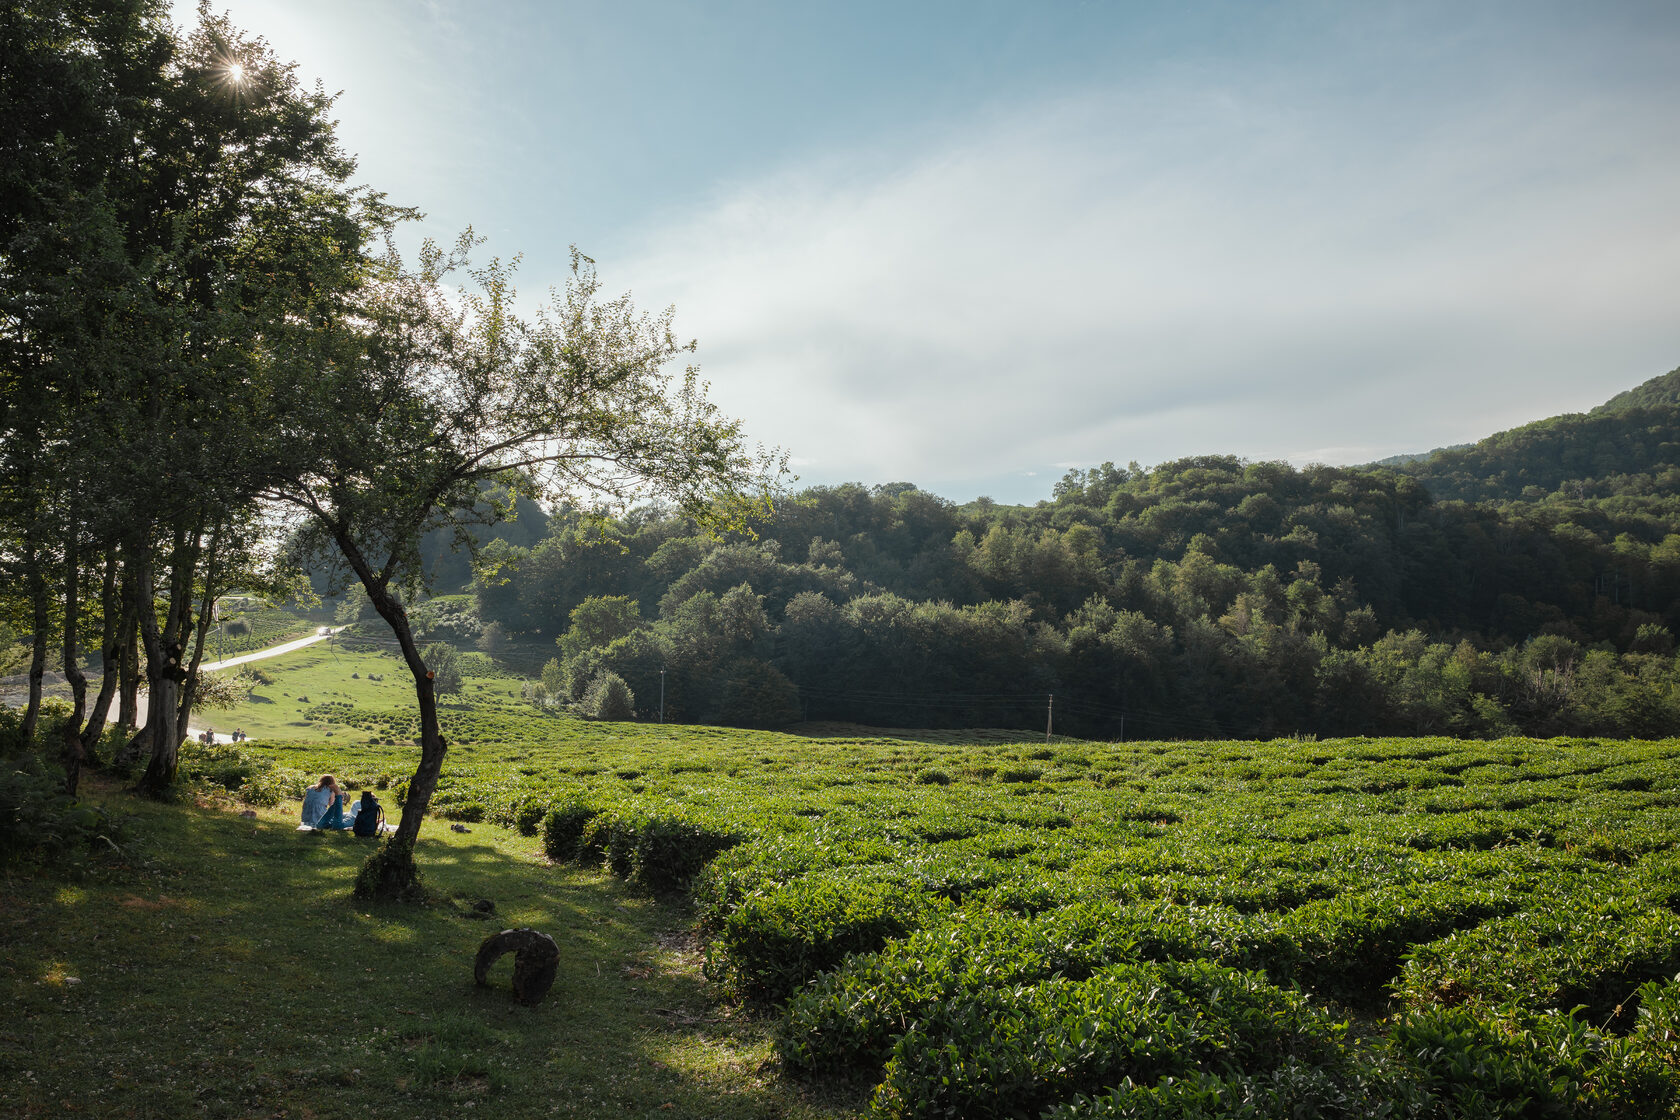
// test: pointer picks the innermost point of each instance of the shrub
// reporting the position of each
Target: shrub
(528, 815)
(772, 944)
(563, 828)
(1008, 1051)
(1544, 1065)
(608, 698)
(39, 822)
(669, 851)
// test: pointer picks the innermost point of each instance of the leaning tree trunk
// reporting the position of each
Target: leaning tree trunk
(391, 873)
(206, 611)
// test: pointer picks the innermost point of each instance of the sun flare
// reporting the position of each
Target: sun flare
(235, 72)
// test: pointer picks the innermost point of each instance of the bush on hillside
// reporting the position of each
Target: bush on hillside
(757, 694)
(608, 697)
(563, 828)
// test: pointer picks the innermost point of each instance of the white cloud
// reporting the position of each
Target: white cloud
(1118, 276)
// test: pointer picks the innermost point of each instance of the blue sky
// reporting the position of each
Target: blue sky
(971, 245)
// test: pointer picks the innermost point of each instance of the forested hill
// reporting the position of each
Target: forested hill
(1628, 445)
(1203, 597)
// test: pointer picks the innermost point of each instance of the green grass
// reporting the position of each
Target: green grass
(324, 692)
(223, 970)
(892, 908)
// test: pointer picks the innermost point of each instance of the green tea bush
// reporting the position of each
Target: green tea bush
(1012, 1051)
(1526, 1065)
(1352, 945)
(1293, 1089)
(669, 850)
(1572, 952)
(563, 827)
(853, 1015)
(774, 943)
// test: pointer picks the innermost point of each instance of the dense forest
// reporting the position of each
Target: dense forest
(1528, 583)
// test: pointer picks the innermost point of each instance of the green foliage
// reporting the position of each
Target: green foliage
(444, 662)
(1014, 1051)
(40, 823)
(771, 944)
(563, 828)
(607, 697)
(253, 777)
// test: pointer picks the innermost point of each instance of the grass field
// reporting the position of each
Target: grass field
(326, 692)
(835, 924)
(220, 969)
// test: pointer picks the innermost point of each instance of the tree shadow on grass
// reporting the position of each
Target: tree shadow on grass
(241, 960)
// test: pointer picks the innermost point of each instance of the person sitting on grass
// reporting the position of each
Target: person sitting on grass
(333, 818)
(368, 817)
(323, 804)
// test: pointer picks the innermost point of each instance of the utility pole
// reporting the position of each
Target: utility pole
(661, 696)
(1049, 714)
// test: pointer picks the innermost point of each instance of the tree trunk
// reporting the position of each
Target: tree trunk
(128, 666)
(395, 875)
(164, 670)
(72, 755)
(206, 609)
(38, 650)
(114, 623)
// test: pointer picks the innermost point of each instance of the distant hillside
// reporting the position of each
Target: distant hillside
(1655, 393)
(1631, 443)
(1415, 456)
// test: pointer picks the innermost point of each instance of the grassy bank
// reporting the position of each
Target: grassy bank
(221, 969)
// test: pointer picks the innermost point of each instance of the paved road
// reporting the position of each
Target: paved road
(210, 667)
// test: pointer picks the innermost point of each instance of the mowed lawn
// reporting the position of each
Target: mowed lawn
(220, 968)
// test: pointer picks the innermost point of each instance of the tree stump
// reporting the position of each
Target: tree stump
(536, 958)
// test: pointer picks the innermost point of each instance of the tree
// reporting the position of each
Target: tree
(608, 697)
(418, 399)
(173, 208)
(597, 621)
(444, 663)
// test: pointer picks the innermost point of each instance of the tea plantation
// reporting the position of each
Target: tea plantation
(1399, 927)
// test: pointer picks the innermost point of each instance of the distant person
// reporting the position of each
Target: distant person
(368, 817)
(239, 735)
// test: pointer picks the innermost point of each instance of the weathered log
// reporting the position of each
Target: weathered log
(536, 959)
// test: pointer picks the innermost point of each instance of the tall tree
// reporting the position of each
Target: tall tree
(421, 397)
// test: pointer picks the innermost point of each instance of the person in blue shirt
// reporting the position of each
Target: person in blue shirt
(323, 804)
(315, 800)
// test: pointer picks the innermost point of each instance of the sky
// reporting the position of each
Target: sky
(973, 245)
